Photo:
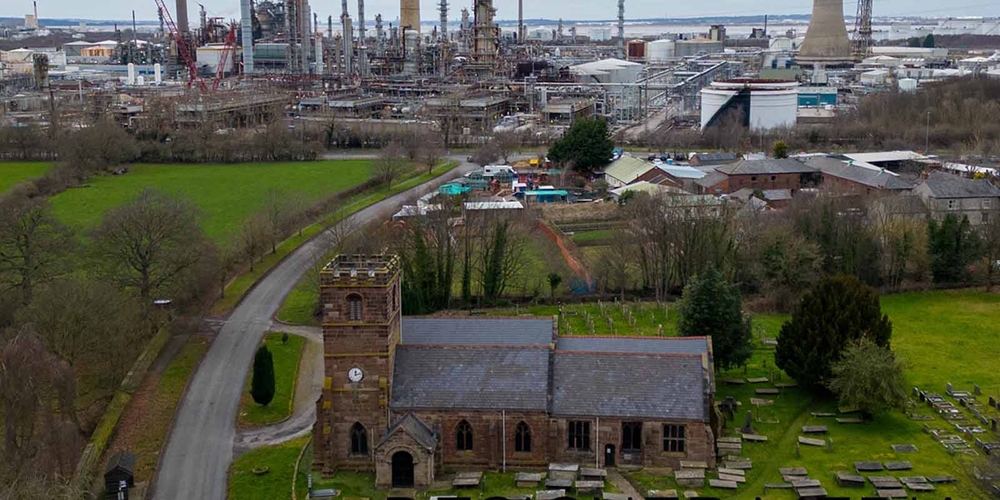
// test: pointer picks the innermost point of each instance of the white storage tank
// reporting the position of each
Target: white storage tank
(773, 103)
(907, 85)
(659, 51)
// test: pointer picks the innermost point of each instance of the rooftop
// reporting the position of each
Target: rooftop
(860, 173)
(477, 331)
(766, 167)
(628, 168)
(943, 185)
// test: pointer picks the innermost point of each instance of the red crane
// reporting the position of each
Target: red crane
(182, 48)
(228, 49)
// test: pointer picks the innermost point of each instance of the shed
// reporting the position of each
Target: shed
(120, 471)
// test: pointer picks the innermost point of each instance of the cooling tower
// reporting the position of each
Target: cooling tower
(826, 41)
(409, 15)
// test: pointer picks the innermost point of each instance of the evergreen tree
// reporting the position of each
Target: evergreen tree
(587, 145)
(953, 246)
(554, 280)
(929, 41)
(712, 306)
(780, 149)
(837, 311)
(262, 384)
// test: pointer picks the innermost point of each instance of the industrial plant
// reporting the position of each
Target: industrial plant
(473, 62)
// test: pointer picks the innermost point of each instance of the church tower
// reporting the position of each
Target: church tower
(360, 295)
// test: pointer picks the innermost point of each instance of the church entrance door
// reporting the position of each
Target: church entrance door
(402, 470)
(609, 455)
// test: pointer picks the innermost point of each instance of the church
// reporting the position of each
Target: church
(411, 397)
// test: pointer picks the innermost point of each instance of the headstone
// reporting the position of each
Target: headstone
(940, 479)
(747, 423)
(589, 486)
(793, 471)
(885, 482)
(690, 478)
(904, 448)
(694, 464)
(892, 494)
(757, 380)
(821, 414)
(798, 450)
(814, 429)
(993, 401)
(731, 472)
(735, 479)
(811, 493)
(615, 496)
(662, 494)
(720, 483)
(690, 494)
(549, 494)
(785, 385)
(867, 466)
(976, 390)
(916, 392)
(766, 392)
(805, 483)
(777, 486)
(527, 479)
(554, 483)
(563, 471)
(740, 465)
(593, 474)
(842, 420)
(848, 480)
(811, 441)
(755, 438)
(734, 381)
(829, 444)
(948, 388)
(993, 424)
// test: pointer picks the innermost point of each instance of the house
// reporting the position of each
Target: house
(945, 194)
(707, 159)
(629, 169)
(410, 397)
(850, 177)
(758, 175)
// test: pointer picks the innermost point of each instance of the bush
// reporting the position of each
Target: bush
(869, 377)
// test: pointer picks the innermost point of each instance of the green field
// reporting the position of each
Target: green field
(593, 236)
(14, 172)
(225, 193)
(286, 358)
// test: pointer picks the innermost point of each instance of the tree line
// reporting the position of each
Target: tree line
(777, 256)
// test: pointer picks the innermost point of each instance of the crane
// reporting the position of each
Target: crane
(220, 72)
(182, 48)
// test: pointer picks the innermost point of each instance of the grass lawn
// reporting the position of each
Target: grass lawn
(286, 358)
(239, 286)
(593, 236)
(276, 483)
(14, 172)
(144, 426)
(225, 193)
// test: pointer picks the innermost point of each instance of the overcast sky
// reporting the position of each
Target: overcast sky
(507, 9)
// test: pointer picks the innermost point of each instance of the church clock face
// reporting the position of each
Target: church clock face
(355, 374)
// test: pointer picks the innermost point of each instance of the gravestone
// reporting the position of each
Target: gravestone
(848, 480)
(811, 441)
(793, 471)
(766, 392)
(916, 392)
(993, 401)
(589, 486)
(735, 479)
(748, 423)
(554, 483)
(902, 465)
(811, 492)
(892, 494)
(805, 483)
(691, 478)
(904, 448)
(728, 407)
(731, 472)
(549, 494)
(723, 484)
(867, 466)
(976, 390)
(527, 479)
(814, 429)
(948, 389)
(993, 424)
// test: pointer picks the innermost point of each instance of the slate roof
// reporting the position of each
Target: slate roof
(777, 194)
(682, 171)
(661, 387)
(766, 167)
(942, 185)
(705, 158)
(868, 176)
(415, 427)
(638, 345)
(475, 378)
(123, 461)
(711, 179)
(477, 331)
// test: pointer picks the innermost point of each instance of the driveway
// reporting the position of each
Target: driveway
(196, 460)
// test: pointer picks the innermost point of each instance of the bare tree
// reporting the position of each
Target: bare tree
(507, 143)
(486, 154)
(253, 235)
(388, 168)
(431, 152)
(31, 380)
(149, 243)
(34, 246)
(277, 215)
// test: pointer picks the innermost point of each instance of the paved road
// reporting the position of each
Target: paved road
(200, 448)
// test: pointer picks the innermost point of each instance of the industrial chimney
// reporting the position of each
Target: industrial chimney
(409, 15)
(826, 41)
(182, 16)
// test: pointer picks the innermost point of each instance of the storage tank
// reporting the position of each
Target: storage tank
(907, 85)
(773, 103)
(659, 51)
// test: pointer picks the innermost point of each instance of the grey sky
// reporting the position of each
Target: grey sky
(507, 9)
